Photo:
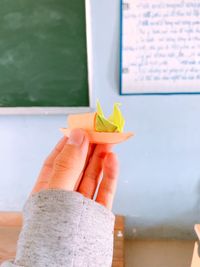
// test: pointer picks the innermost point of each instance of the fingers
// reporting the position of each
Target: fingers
(93, 171)
(89, 155)
(108, 184)
(65, 168)
(70, 162)
(45, 173)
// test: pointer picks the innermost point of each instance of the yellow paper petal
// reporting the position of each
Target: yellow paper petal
(99, 109)
(103, 125)
(117, 118)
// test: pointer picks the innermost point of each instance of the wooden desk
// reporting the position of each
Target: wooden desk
(10, 225)
(118, 254)
(196, 252)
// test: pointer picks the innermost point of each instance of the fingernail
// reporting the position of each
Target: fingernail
(76, 137)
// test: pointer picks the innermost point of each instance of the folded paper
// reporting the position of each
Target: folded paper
(100, 130)
(114, 123)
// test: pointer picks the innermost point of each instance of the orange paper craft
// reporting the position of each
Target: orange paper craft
(86, 122)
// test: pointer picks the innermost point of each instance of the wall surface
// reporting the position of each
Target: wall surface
(159, 184)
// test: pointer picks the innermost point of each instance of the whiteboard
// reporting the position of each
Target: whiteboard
(160, 47)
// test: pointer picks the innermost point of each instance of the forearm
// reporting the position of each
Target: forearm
(63, 228)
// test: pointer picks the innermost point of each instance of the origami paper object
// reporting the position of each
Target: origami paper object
(100, 130)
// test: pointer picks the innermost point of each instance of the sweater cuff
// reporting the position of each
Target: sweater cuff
(63, 228)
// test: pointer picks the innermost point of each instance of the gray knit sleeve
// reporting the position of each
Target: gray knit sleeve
(63, 228)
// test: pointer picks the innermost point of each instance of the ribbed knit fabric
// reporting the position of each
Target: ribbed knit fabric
(64, 229)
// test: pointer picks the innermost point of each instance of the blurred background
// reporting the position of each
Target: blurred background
(159, 184)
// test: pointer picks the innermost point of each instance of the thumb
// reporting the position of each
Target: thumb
(69, 164)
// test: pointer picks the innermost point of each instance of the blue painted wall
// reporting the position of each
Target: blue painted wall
(159, 184)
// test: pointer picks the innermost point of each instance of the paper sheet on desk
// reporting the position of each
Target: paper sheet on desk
(160, 46)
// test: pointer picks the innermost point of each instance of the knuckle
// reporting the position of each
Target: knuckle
(47, 164)
(91, 175)
(66, 160)
(86, 193)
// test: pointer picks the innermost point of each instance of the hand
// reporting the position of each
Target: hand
(76, 165)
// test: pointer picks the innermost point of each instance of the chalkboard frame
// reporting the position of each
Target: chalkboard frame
(63, 110)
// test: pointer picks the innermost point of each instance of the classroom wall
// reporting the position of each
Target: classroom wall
(159, 184)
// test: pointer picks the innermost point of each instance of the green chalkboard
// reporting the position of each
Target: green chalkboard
(43, 53)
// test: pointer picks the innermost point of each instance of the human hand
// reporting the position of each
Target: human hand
(76, 165)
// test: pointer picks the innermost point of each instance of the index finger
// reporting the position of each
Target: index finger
(93, 170)
(108, 184)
